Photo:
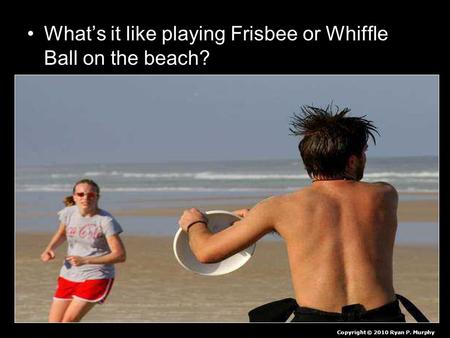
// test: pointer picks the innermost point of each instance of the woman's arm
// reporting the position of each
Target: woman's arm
(58, 238)
(117, 254)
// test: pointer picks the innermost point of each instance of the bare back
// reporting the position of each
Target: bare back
(340, 237)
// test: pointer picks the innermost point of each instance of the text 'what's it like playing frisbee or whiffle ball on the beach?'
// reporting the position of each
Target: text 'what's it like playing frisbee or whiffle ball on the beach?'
(190, 57)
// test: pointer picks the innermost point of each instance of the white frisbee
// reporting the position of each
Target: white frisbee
(217, 221)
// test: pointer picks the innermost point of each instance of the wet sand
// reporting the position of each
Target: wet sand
(425, 210)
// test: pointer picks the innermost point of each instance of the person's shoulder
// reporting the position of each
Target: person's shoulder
(384, 189)
(276, 202)
(68, 210)
(67, 213)
(268, 204)
(301, 193)
(105, 214)
(295, 196)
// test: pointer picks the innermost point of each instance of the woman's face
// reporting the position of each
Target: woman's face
(86, 197)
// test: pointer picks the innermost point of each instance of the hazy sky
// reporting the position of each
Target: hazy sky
(108, 119)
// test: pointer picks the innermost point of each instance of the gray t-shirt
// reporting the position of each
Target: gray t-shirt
(86, 236)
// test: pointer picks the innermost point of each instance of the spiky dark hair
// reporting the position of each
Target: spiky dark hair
(330, 138)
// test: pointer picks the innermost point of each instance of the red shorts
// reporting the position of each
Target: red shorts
(94, 291)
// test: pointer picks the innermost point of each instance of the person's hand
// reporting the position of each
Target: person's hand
(241, 212)
(47, 255)
(76, 260)
(190, 216)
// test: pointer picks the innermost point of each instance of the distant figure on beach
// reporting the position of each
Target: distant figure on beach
(94, 246)
(339, 231)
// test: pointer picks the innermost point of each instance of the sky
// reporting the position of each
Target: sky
(160, 118)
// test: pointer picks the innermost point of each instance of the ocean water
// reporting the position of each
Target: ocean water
(40, 189)
(408, 174)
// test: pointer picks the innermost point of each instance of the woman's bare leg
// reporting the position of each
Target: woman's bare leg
(77, 310)
(57, 310)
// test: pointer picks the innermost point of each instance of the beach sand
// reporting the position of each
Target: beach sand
(152, 287)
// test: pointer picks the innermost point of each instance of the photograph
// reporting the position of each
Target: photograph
(226, 198)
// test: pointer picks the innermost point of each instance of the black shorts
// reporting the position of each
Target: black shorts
(352, 313)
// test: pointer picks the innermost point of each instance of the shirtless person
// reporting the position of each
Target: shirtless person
(339, 231)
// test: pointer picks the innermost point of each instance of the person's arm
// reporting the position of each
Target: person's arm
(58, 238)
(117, 254)
(241, 212)
(389, 192)
(211, 247)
